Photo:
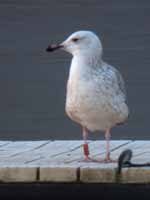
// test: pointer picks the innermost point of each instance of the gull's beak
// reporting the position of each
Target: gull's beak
(54, 47)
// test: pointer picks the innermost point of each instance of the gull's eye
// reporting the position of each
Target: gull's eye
(75, 39)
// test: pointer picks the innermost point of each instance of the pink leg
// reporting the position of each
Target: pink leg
(86, 147)
(107, 137)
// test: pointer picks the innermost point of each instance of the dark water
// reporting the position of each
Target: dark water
(41, 191)
(32, 82)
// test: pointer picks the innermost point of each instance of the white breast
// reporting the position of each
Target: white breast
(89, 105)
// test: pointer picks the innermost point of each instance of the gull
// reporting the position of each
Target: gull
(96, 95)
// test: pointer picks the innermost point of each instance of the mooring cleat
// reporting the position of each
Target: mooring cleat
(124, 160)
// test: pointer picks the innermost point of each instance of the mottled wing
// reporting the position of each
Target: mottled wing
(116, 78)
(121, 82)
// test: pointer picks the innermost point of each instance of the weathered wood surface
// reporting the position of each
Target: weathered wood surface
(59, 161)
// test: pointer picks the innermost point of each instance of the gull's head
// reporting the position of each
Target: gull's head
(80, 42)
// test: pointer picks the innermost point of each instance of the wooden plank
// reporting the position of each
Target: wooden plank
(17, 174)
(58, 173)
(99, 172)
(13, 149)
(75, 155)
(107, 173)
(44, 154)
(60, 161)
(135, 175)
(138, 148)
(71, 159)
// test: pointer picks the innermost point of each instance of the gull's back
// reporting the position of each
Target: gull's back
(112, 80)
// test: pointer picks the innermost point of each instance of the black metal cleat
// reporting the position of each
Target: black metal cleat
(124, 160)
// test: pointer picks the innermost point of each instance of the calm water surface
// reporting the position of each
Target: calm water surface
(33, 82)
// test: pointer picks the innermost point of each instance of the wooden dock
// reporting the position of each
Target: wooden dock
(58, 161)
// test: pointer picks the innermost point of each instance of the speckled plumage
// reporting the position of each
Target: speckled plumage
(96, 96)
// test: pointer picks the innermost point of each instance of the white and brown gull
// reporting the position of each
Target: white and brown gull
(96, 96)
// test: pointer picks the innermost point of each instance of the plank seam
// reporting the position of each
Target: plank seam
(78, 174)
(38, 174)
(68, 151)
(30, 161)
(42, 145)
(121, 145)
(32, 149)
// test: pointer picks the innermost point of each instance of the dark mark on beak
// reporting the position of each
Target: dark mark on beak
(53, 47)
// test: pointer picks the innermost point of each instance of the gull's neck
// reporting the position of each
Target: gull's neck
(89, 58)
(83, 64)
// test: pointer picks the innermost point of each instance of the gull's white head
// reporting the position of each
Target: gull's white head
(80, 42)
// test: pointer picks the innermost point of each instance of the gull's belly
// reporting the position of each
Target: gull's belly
(93, 109)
